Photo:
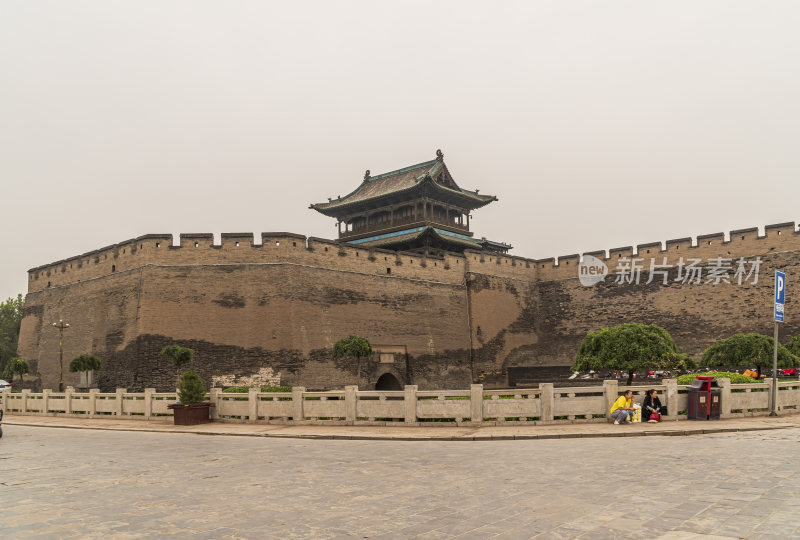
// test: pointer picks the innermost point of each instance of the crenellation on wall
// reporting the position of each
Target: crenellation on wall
(196, 240)
(651, 248)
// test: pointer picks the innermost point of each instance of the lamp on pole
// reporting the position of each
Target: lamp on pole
(61, 325)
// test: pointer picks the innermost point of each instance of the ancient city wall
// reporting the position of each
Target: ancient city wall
(271, 310)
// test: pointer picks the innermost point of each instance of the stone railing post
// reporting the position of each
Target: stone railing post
(725, 396)
(546, 402)
(93, 402)
(252, 404)
(46, 401)
(410, 403)
(611, 393)
(67, 400)
(214, 396)
(476, 403)
(6, 397)
(148, 402)
(298, 415)
(777, 395)
(120, 402)
(350, 403)
(23, 406)
(671, 395)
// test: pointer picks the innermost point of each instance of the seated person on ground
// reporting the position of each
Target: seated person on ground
(622, 409)
(652, 405)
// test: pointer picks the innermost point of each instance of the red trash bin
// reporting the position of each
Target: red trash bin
(705, 399)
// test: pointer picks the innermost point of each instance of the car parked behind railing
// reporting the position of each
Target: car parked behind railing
(4, 385)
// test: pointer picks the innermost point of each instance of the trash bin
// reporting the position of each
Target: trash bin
(705, 399)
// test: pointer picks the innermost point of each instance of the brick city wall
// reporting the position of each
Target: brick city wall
(273, 309)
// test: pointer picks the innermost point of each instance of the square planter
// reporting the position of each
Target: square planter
(191, 414)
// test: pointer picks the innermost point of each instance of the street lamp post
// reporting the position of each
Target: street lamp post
(61, 325)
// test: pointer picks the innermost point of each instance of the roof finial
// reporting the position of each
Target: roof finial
(366, 175)
(439, 155)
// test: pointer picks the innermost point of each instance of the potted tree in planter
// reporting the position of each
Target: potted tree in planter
(191, 408)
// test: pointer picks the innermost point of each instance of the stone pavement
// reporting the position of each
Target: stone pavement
(88, 483)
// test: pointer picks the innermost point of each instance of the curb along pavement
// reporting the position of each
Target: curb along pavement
(415, 433)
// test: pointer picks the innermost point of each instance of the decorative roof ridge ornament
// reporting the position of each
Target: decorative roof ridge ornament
(366, 176)
(439, 155)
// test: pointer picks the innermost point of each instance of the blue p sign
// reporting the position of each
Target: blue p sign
(780, 294)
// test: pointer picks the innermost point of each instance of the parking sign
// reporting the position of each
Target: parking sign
(780, 294)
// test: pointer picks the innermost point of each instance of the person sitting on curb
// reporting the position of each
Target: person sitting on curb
(622, 409)
(651, 407)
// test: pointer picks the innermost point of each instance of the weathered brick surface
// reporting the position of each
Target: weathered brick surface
(281, 303)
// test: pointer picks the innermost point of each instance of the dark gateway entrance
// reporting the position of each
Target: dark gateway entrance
(387, 381)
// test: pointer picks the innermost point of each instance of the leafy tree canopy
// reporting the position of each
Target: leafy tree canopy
(10, 319)
(180, 356)
(630, 347)
(84, 362)
(794, 346)
(16, 366)
(745, 350)
(352, 346)
(190, 389)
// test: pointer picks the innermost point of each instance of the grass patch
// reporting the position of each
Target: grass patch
(246, 389)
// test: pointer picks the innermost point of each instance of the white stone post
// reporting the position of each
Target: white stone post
(546, 402)
(725, 396)
(252, 404)
(298, 415)
(46, 401)
(148, 402)
(611, 393)
(6, 397)
(24, 405)
(410, 403)
(214, 395)
(350, 404)
(672, 398)
(120, 402)
(93, 402)
(773, 391)
(67, 400)
(476, 403)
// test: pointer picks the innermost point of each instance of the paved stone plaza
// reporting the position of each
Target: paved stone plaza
(70, 483)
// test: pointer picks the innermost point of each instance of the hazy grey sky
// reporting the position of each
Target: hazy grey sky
(597, 124)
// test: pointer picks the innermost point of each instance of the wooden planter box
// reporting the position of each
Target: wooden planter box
(191, 414)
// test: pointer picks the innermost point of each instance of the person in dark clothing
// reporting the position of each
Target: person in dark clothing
(652, 404)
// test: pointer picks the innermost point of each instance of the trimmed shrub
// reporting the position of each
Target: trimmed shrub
(736, 378)
(191, 388)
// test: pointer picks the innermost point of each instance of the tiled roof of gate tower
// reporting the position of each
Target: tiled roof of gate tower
(433, 173)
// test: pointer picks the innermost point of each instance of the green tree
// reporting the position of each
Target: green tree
(17, 366)
(630, 347)
(352, 346)
(793, 346)
(190, 389)
(10, 320)
(746, 350)
(85, 363)
(180, 356)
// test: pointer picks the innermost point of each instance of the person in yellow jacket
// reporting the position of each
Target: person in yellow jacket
(622, 409)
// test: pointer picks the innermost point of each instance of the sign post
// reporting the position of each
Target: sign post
(780, 299)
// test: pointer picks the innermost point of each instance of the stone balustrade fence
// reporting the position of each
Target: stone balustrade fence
(351, 406)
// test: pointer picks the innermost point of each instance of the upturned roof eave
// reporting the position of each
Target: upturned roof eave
(473, 200)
